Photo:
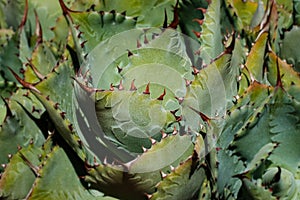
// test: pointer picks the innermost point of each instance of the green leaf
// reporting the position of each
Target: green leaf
(29, 102)
(3, 24)
(59, 82)
(289, 47)
(183, 183)
(205, 191)
(258, 15)
(161, 59)
(18, 130)
(211, 37)
(209, 93)
(169, 151)
(62, 125)
(5, 36)
(47, 12)
(271, 115)
(91, 28)
(260, 157)
(190, 17)
(66, 183)
(254, 191)
(229, 165)
(242, 12)
(6, 90)
(9, 57)
(134, 179)
(284, 125)
(42, 61)
(282, 182)
(237, 116)
(13, 11)
(296, 12)
(149, 13)
(289, 77)
(115, 180)
(130, 119)
(254, 67)
(18, 178)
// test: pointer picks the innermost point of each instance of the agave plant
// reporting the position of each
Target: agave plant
(149, 99)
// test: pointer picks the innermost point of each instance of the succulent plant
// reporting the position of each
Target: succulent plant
(149, 99)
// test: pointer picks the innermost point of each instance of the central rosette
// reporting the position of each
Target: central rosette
(145, 85)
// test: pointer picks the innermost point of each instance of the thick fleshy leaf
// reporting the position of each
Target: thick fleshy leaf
(131, 119)
(62, 125)
(18, 129)
(66, 184)
(229, 165)
(42, 62)
(289, 47)
(255, 59)
(5, 36)
(141, 176)
(90, 28)
(211, 37)
(48, 13)
(254, 191)
(29, 102)
(289, 77)
(169, 151)
(149, 13)
(9, 57)
(182, 183)
(275, 122)
(18, 178)
(59, 82)
(191, 17)
(8, 10)
(116, 181)
(284, 125)
(6, 90)
(296, 12)
(282, 183)
(243, 12)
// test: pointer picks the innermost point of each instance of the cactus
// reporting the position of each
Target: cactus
(149, 100)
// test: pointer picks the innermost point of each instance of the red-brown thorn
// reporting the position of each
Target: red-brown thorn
(24, 83)
(147, 90)
(161, 97)
(132, 87)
